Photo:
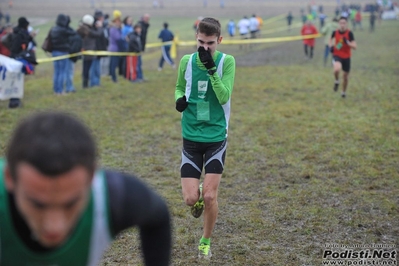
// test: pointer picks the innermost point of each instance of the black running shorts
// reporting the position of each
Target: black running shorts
(345, 62)
(198, 155)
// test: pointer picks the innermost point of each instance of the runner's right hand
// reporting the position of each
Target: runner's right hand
(181, 104)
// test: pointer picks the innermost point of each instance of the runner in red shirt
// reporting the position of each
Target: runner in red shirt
(309, 29)
(344, 42)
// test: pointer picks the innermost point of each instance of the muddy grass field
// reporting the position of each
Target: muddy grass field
(304, 168)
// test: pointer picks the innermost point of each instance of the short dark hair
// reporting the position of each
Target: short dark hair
(98, 14)
(125, 20)
(165, 25)
(209, 27)
(53, 143)
(344, 18)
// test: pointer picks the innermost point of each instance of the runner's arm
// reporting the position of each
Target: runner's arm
(330, 42)
(324, 30)
(352, 42)
(181, 81)
(224, 86)
(131, 204)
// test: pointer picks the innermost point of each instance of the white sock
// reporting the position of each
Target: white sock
(336, 81)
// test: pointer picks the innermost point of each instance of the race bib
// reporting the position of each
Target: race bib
(203, 111)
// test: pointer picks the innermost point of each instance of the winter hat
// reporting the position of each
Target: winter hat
(116, 14)
(23, 22)
(88, 20)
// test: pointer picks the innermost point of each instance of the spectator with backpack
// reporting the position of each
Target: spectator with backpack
(60, 36)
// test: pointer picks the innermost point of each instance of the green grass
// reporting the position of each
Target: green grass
(304, 167)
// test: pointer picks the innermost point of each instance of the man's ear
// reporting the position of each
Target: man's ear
(220, 39)
(9, 181)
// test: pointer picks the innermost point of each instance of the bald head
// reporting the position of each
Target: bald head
(146, 17)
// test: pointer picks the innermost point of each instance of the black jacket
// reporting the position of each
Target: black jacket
(134, 42)
(19, 41)
(61, 33)
(75, 46)
(144, 29)
(102, 41)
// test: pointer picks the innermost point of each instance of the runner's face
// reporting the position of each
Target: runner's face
(208, 42)
(343, 25)
(51, 206)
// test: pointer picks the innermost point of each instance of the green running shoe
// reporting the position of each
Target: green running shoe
(198, 207)
(204, 251)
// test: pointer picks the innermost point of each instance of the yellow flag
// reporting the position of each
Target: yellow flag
(173, 49)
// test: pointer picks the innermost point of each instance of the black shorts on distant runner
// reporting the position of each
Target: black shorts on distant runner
(345, 62)
(196, 155)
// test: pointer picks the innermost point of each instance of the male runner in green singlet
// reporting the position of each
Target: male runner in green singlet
(203, 91)
(58, 208)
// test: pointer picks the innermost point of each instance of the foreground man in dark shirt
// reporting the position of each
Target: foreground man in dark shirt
(58, 208)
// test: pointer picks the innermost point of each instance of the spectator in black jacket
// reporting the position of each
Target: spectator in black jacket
(75, 46)
(19, 43)
(144, 23)
(21, 37)
(60, 35)
(134, 46)
(90, 33)
(101, 45)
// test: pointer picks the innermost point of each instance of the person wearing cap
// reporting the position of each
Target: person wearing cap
(19, 43)
(89, 33)
(115, 42)
(59, 36)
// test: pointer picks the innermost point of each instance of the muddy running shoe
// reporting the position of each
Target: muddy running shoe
(198, 207)
(204, 251)
(336, 85)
